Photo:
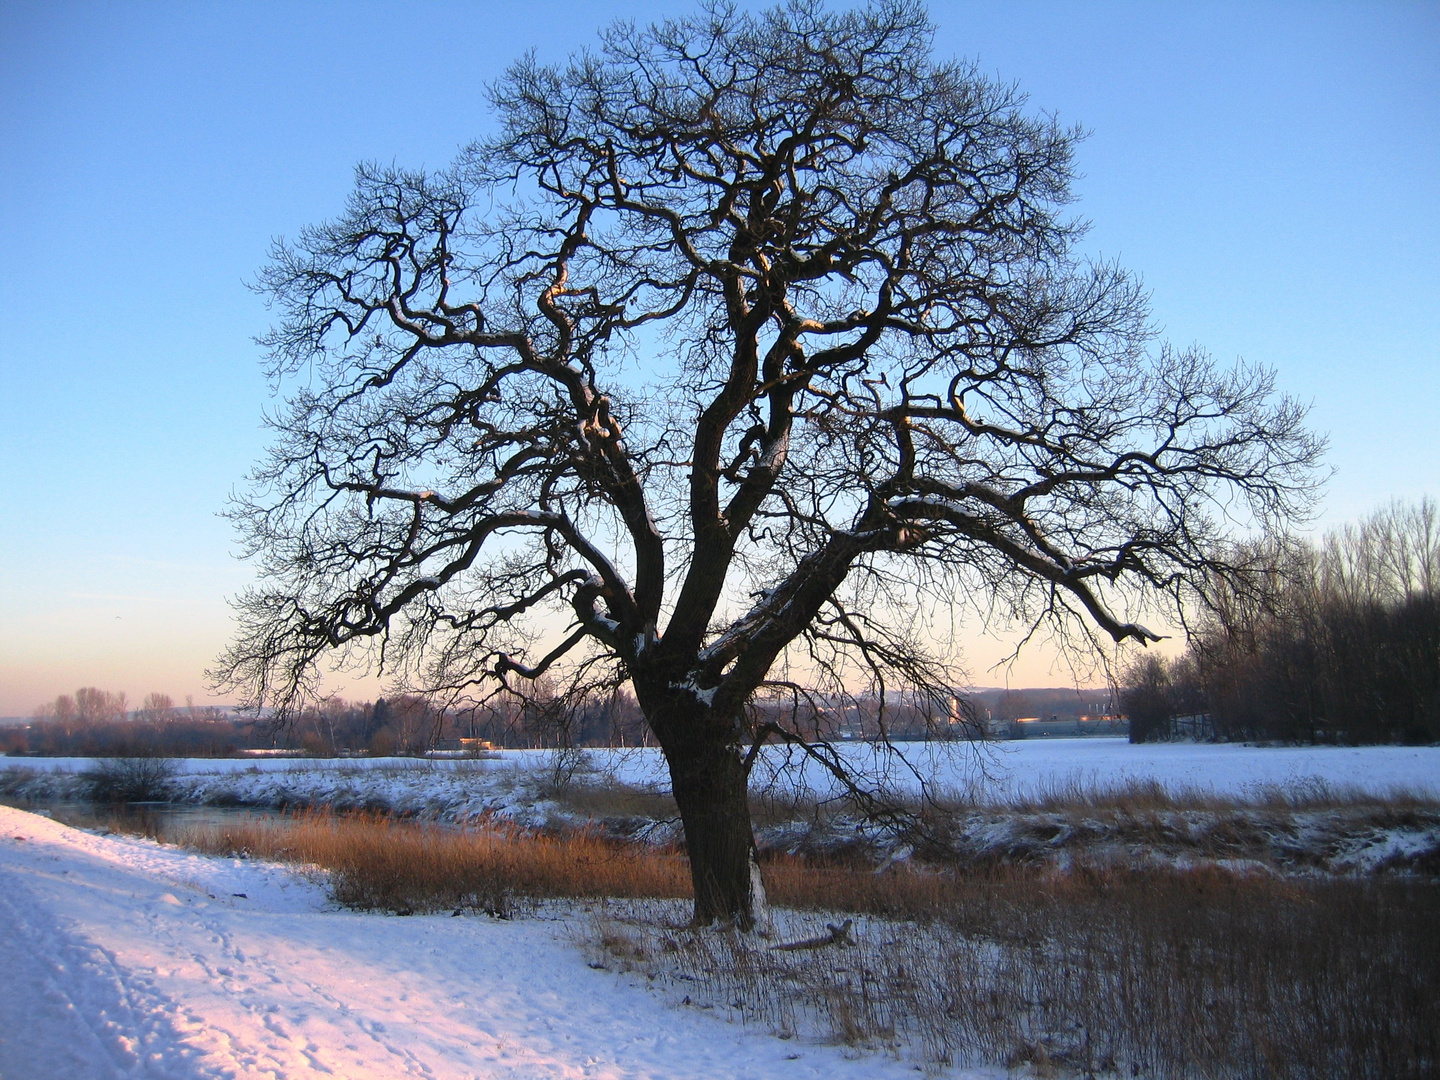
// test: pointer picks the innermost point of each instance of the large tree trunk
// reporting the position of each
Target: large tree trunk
(707, 775)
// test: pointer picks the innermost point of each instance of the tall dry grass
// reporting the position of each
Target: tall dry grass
(379, 862)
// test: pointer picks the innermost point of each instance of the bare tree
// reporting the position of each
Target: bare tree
(749, 342)
(95, 706)
(157, 709)
(1148, 698)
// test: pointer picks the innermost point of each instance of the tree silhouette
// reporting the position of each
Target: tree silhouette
(746, 341)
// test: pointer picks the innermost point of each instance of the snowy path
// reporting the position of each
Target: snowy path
(120, 958)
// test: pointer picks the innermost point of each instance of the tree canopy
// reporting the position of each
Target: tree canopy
(744, 340)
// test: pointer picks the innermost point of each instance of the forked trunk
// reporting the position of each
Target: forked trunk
(709, 781)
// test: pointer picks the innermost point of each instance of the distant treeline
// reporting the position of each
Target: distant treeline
(1341, 645)
(407, 724)
(96, 723)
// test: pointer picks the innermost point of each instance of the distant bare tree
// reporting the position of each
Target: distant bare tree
(157, 708)
(416, 722)
(96, 706)
(1147, 698)
(747, 343)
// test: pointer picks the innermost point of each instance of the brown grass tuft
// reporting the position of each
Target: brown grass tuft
(615, 800)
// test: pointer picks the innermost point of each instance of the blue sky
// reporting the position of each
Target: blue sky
(1272, 170)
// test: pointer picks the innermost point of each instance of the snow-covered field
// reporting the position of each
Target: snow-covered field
(1003, 771)
(516, 784)
(123, 958)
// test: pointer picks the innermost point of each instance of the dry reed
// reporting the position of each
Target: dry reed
(378, 862)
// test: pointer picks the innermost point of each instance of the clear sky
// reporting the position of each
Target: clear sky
(1272, 170)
